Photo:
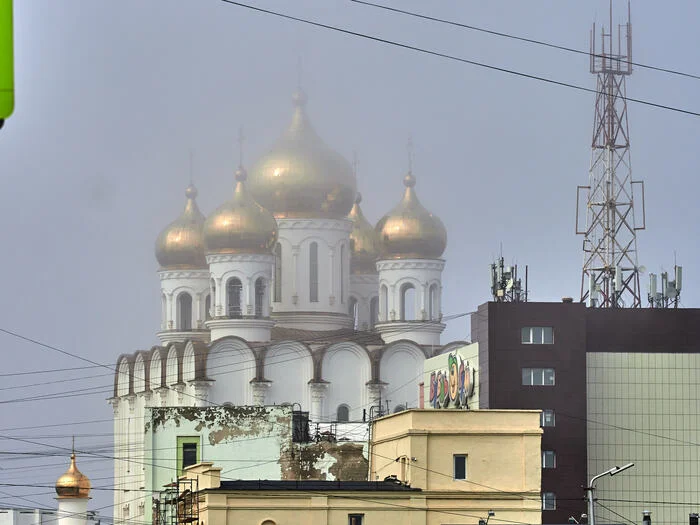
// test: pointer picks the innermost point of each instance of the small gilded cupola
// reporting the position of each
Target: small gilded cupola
(184, 275)
(240, 225)
(410, 270)
(73, 484)
(239, 238)
(181, 244)
(410, 231)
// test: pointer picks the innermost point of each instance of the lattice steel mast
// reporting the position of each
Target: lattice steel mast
(610, 276)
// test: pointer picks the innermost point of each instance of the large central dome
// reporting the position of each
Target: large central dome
(301, 176)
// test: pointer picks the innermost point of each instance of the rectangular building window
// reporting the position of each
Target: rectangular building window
(549, 459)
(460, 466)
(188, 452)
(547, 418)
(538, 376)
(549, 501)
(537, 335)
(356, 519)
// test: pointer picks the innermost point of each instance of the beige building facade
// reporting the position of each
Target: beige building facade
(427, 467)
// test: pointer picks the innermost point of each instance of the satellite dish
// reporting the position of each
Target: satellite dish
(642, 269)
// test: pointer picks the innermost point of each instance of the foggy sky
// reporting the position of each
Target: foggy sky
(111, 97)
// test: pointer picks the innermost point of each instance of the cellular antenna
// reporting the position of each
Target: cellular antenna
(610, 276)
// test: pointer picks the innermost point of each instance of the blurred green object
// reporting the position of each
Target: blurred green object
(7, 88)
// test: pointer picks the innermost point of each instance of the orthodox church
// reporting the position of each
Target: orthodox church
(286, 294)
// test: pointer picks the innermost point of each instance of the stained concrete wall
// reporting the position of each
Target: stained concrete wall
(247, 442)
(327, 462)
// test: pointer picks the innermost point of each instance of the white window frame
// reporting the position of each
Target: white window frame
(549, 459)
(543, 417)
(538, 374)
(537, 335)
(454, 466)
(549, 501)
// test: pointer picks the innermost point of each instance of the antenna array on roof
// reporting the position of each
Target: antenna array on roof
(506, 286)
(670, 293)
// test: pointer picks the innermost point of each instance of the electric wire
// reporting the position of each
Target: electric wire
(523, 39)
(625, 519)
(455, 58)
(253, 361)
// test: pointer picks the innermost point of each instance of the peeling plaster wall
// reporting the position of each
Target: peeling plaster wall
(247, 442)
(327, 462)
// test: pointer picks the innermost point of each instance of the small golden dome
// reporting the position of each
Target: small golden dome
(364, 242)
(240, 225)
(73, 484)
(181, 244)
(410, 231)
(301, 176)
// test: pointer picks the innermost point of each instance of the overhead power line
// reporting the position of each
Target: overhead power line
(523, 39)
(462, 60)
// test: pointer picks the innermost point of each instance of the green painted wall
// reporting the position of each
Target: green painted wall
(7, 89)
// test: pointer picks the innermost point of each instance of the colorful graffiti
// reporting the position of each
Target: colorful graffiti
(453, 387)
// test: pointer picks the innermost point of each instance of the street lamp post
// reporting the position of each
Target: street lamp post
(590, 488)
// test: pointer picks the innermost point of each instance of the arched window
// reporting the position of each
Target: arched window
(342, 273)
(184, 311)
(353, 311)
(433, 309)
(384, 293)
(234, 290)
(408, 302)
(278, 273)
(373, 311)
(259, 296)
(313, 272)
(343, 413)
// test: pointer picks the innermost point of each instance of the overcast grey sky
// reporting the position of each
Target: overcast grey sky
(112, 96)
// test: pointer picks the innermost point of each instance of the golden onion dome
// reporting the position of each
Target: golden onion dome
(73, 484)
(364, 241)
(181, 244)
(301, 176)
(240, 225)
(410, 231)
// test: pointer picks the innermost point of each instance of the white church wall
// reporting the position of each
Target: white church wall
(27, 516)
(347, 368)
(289, 367)
(401, 368)
(231, 366)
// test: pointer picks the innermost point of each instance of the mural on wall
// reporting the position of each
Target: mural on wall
(453, 387)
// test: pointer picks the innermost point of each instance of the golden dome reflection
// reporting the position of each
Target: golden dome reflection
(410, 231)
(364, 241)
(301, 176)
(73, 484)
(180, 244)
(240, 225)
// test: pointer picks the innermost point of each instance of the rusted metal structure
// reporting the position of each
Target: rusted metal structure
(177, 504)
(610, 276)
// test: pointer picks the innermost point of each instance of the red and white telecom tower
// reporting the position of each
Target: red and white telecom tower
(610, 277)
